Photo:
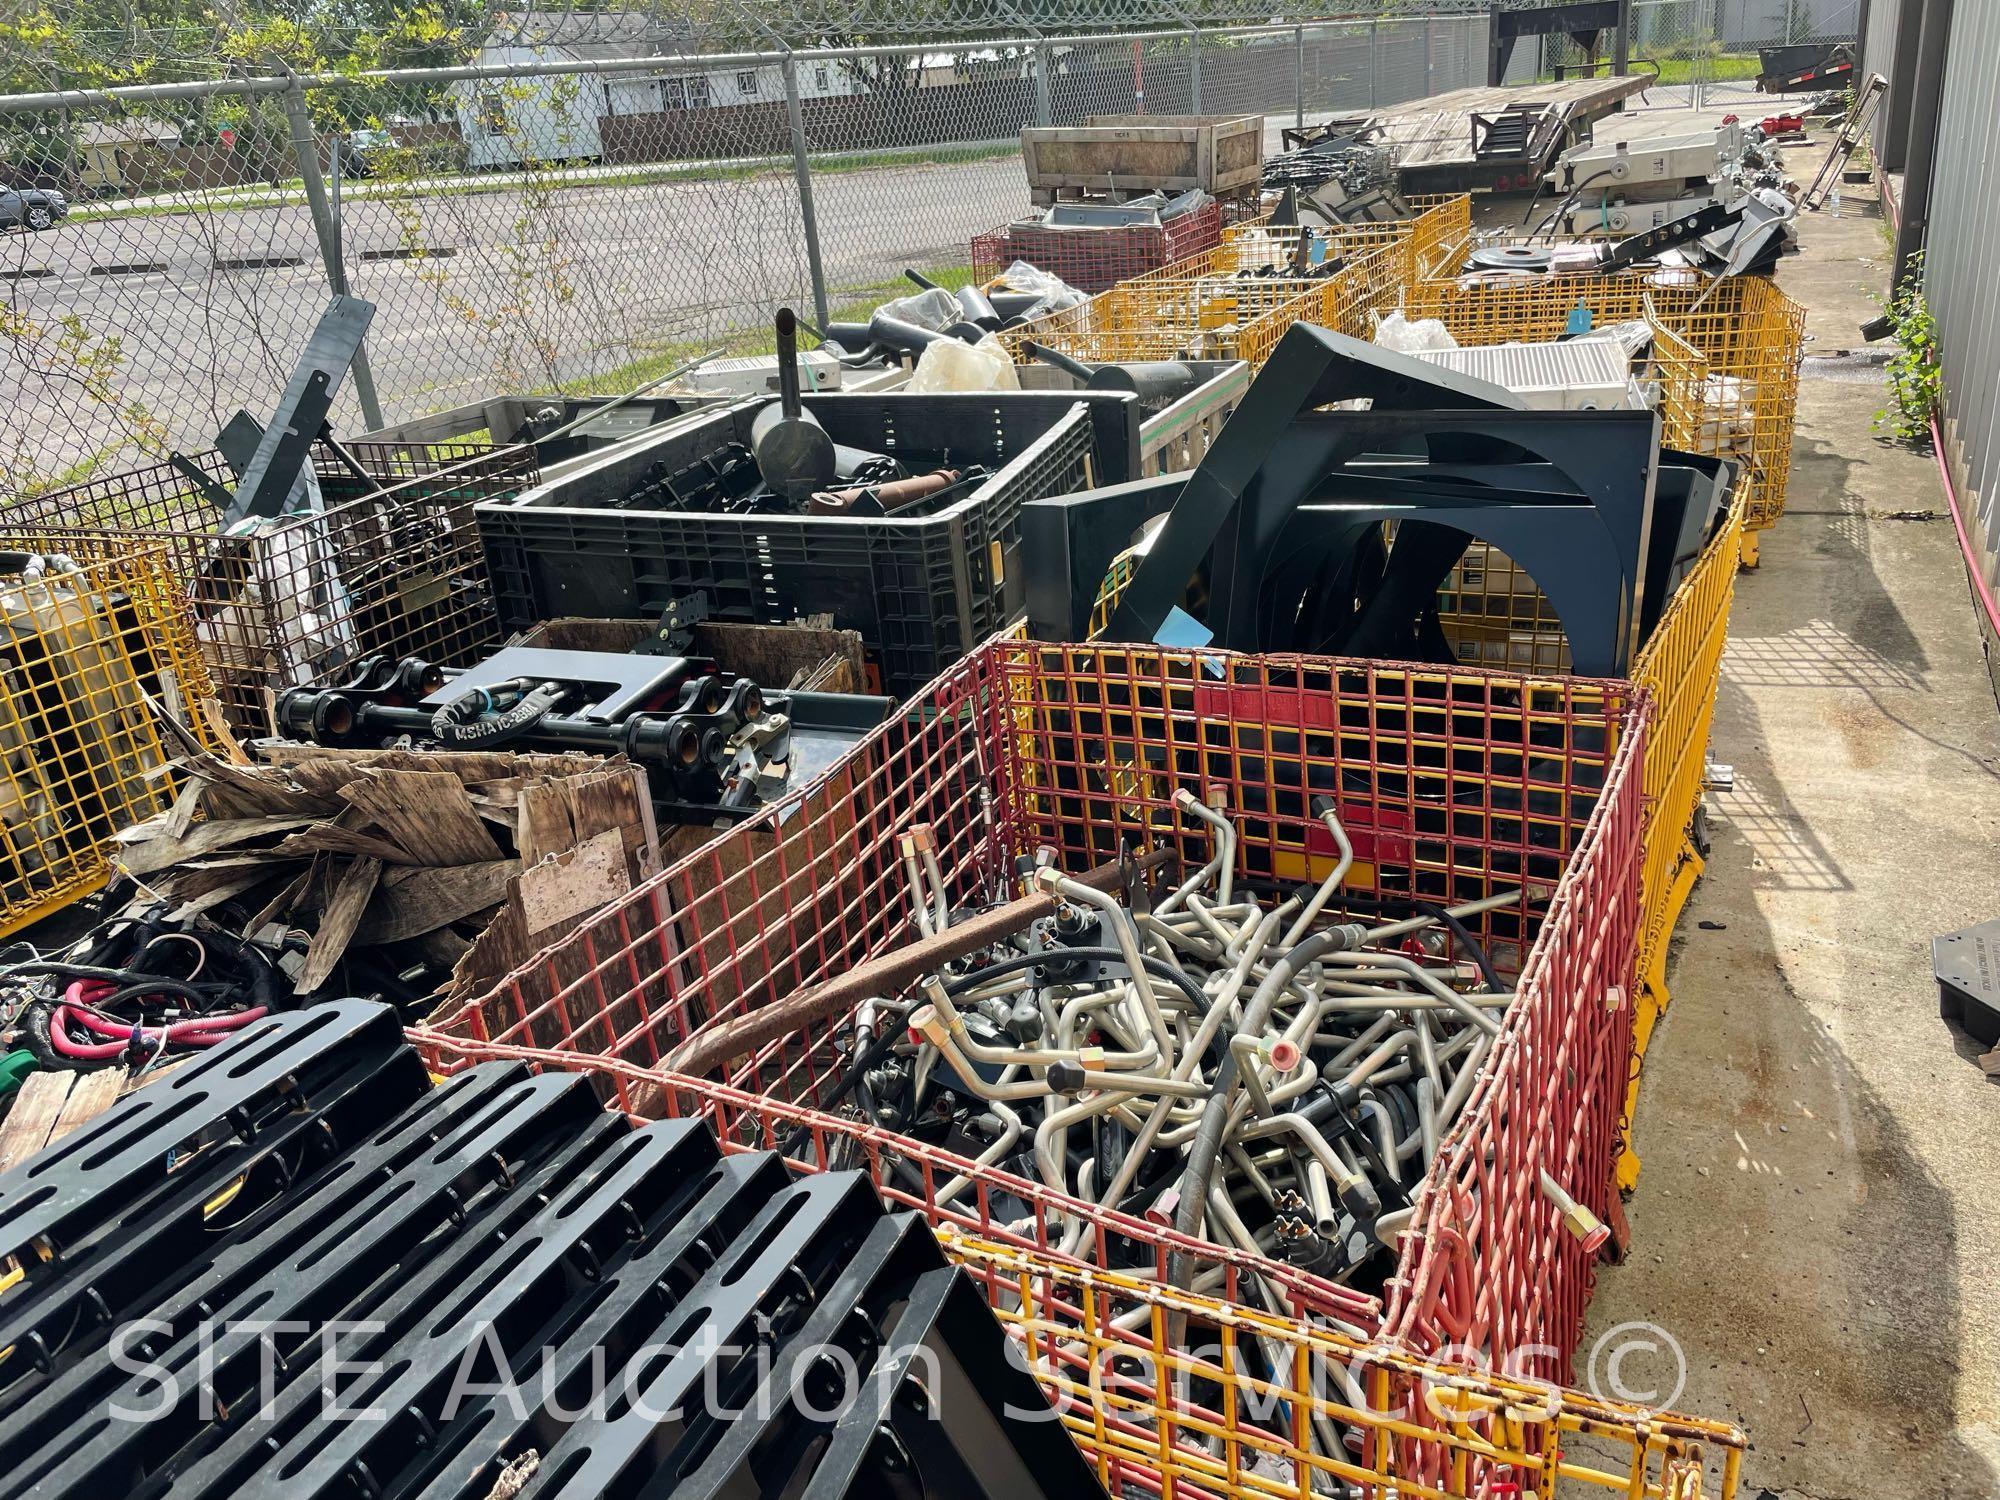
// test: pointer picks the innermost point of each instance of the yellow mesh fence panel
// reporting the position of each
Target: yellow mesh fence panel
(1175, 1393)
(82, 754)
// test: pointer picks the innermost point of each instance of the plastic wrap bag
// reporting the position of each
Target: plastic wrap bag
(953, 365)
(1406, 337)
(1052, 292)
(933, 308)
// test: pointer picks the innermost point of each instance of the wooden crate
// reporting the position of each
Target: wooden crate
(1125, 155)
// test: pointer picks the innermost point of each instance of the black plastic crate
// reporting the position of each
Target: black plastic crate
(922, 591)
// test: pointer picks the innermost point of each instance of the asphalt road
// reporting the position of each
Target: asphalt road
(527, 285)
(570, 282)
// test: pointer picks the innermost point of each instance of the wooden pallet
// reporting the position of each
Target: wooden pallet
(53, 1103)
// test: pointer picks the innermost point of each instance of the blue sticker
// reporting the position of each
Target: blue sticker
(1182, 629)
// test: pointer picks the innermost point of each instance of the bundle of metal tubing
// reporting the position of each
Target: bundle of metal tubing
(1275, 1077)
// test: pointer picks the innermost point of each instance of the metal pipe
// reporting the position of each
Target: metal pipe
(1332, 883)
(1225, 831)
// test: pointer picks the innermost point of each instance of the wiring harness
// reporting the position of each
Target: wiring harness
(137, 988)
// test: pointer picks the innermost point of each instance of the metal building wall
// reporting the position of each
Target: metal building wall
(1962, 262)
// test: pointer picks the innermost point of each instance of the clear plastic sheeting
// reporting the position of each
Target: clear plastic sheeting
(952, 365)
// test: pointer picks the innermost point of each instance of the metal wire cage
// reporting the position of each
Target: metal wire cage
(1205, 306)
(84, 656)
(1728, 352)
(1452, 785)
(1171, 1393)
(394, 565)
(1494, 615)
(1093, 259)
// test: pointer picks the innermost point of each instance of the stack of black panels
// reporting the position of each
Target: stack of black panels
(297, 1269)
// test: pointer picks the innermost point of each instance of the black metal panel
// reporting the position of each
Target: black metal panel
(503, 1269)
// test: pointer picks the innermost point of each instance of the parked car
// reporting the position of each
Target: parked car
(364, 151)
(32, 208)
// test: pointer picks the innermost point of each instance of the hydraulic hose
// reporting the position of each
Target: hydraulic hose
(1207, 1145)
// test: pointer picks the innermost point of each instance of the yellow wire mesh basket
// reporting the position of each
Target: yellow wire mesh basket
(84, 653)
(1203, 307)
(1728, 352)
(1176, 1394)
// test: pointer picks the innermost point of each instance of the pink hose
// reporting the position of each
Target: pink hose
(1979, 584)
(199, 1031)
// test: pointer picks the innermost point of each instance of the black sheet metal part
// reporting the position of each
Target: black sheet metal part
(277, 1065)
(985, 1427)
(1276, 450)
(1223, 509)
(489, 1302)
(404, 1193)
(285, 449)
(1704, 221)
(788, 1422)
(1966, 965)
(1591, 567)
(715, 1339)
(490, 1260)
(1689, 498)
(420, 1451)
(1690, 493)
(965, 1436)
(1073, 539)
(1324, 597)
(64, 1309)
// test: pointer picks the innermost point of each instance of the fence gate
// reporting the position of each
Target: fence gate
(1741, 28)
(1675, 37)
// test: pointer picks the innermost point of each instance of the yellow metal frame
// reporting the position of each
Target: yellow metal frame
(1728, 352)
(81, 751)
(1682, 664)
(1180, 1394)
(1496, 617)
(1202, 307)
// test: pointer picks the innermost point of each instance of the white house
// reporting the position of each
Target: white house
(558, 117)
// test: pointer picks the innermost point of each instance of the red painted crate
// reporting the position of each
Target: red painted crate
(1094, 260)
(1456, 782)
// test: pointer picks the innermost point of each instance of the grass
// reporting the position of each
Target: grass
(847, 304)
(1727, 67)
(468, 185)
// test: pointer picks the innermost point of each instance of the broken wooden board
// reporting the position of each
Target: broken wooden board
(427, 813)
(555, 822)
(369, 850)
(148, 848)
(418, 899)
(51, 1103)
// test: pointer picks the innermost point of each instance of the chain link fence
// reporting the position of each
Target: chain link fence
(568, 215)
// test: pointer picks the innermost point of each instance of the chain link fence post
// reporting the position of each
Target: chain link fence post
(1374, 61)
(802, 171)
(1039, 61)
(1299, 77)
(1194, 72)
(305, 151)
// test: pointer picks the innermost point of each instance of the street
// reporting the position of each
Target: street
(527, 285)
